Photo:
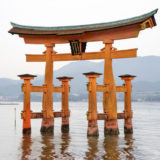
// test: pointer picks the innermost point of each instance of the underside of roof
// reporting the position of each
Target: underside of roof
(79, 29)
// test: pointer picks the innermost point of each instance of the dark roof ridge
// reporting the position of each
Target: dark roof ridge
(77, 27)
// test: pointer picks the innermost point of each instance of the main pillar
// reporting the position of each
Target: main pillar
(92, 110)
(47, 104)
(109, 97)
(65, 106)
(26, 113)
(127, 105)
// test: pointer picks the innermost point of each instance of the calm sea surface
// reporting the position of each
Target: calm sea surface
(144, 144)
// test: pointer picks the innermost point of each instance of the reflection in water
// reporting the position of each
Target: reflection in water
(48, 148)
(129, 143)
(110, 145)
(26, 147)
(92, 148)
(64, 146)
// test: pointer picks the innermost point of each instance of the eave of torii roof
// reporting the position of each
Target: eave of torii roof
(79, 29)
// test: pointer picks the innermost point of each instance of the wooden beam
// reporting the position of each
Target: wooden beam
(83, 56)
(36, 115)
(120, 116)
(103, 116)
(121, 89)
(130, 53)
(102, 88)
(42, 89)
(57, 114)
(35, 58)
(112, 34)
(65, 57)
(37, 89)
(57, 89)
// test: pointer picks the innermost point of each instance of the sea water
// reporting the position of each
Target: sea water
(143, 144)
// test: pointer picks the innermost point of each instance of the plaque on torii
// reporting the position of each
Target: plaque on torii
(77, 37)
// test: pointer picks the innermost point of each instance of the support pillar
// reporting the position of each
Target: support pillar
(47, 126)
(65, 105)
(92, 110)
(109, 97)
(127, 105)
(26, 113)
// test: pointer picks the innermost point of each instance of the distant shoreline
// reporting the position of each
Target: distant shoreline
(9, 103)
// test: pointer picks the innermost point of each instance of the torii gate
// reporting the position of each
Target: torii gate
(78, 36)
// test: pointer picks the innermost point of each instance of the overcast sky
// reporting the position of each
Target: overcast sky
(68, 12)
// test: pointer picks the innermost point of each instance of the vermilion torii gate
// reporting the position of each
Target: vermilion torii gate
(78, 36)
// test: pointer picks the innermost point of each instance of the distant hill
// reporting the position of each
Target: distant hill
(145, 68)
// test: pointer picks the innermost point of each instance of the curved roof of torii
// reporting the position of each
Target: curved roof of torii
(79, 29)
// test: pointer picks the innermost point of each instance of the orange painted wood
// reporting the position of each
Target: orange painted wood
(101, 88)
(128, 100)
(121, 116)
(92, 87)
(48, 83)
(58, 89)
(65, 97)
(26, 105)
(35, 58)
(37, 115)
(109, 98)
(103, 116)
(121, 89)
(114, 34)
(43, 89)
(130, 53)
(37, 88)
(84, 56)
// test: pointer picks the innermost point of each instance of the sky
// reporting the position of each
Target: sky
(63, 13)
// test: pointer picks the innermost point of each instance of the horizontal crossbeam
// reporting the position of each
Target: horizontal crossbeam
(121, 89)
(84, 56)
(37, 115)
(43, 89)
(35, 57)
(130, 53)
(103, 116)
(102, 88)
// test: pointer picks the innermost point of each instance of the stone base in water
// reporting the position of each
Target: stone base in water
(111, 127)
(65, 128)
(26, 130)
(111, 131)
(128, 126)
(92, 128)
(128, 130)
(47, 126)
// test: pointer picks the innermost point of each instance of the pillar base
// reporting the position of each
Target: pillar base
(65, 128)
(111, 127)
(128, 129)
(92, 128)
(26, 130)
(65, 125)
(47, 126)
